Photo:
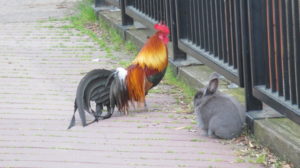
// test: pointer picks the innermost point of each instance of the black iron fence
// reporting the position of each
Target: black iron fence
(254, 43)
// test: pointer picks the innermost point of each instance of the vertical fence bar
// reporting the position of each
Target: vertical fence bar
(213, 29)
(195, 16)
(178, 26)
(270, 37)
(200, 27)
(257, 20)
(283, 46)
(164, 7)
(291, 62)
(126, 20)
(238, 44)
(230, 33)
(168, 16)
(209, 28)
(157, 9)
(189, 19)
(203, 27)
(277, 40)
(296, 41)
(227, 30)
(204, 13)
(142, 5)
(253, 48)
(151, 10)
(274, 47)
(197, 22)
(149, 7)
(218, 28)
(233, 34)
(223, 31)
(138, 5)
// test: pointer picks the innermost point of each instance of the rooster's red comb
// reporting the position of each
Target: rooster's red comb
(162, 28)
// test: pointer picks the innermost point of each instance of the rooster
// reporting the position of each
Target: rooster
(121, 87)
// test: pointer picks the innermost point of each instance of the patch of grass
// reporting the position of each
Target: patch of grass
(50, 27)
(171, 116)
(217, 160)
(197, 140)
(142, 126)
(261, 159)
(170, 151)
(85, 16)
(86, 13)
(131, 47)
(169, 127)
(66, 27)
(114, 37)
(53, 19)
(85, 57)
(156, 90)
(124, 63)
(188, 92)
(188, 127)
(240, 160)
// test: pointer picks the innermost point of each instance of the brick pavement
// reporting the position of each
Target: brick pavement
(41, 65)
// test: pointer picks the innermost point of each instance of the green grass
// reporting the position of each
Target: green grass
(188, 92)
(85, 16)
(197, 140)
(86, 13)
(130, 47)
(261, 159)
(188, 127)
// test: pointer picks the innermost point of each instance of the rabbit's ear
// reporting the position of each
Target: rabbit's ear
(212, 86)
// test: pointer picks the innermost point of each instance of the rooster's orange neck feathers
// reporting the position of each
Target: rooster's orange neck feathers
(153, 55)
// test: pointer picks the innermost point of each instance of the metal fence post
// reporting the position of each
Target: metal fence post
(126, 20)
(174, 9)
(254, 25)
(251, 102)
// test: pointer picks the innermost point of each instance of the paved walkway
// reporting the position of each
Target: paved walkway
(41, 65)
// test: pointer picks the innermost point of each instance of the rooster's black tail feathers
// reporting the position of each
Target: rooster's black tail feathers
(95, 87)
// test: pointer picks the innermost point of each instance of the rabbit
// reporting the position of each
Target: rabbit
(218, 114)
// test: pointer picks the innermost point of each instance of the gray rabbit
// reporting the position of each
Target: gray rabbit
(218, 114)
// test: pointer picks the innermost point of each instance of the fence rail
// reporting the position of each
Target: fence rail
(254, 43)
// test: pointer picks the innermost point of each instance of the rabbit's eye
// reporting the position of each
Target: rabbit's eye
(199, 94)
